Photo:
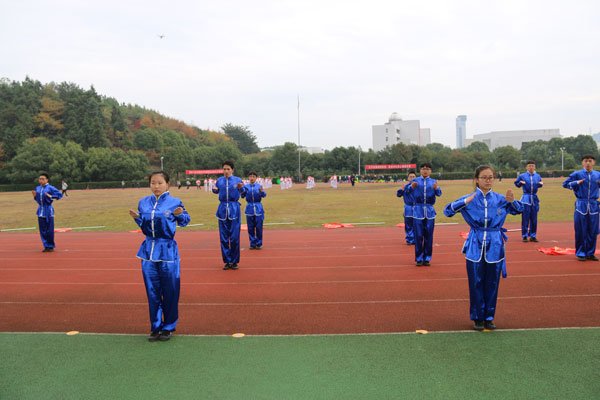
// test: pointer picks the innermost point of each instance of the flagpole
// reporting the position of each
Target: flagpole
(299, 175)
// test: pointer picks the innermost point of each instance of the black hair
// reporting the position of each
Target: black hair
(478, 171)
(252, 173)
(586, 156)
(228, 162)
(530, 162)
(425, 164)
(45, 174)
(411, 172)
(161, 172)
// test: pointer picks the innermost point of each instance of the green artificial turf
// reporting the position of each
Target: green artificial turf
(545, 364)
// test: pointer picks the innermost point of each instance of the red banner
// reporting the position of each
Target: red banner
(391, 166)
(203, 171)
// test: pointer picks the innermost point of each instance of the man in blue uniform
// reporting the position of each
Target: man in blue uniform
(255, 213)
(409, 202)
(44, 195)
(530, 181)
(424, 189)
(229, 188)
(584, 184)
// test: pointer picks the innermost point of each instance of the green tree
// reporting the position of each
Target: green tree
(148, 139)
(507, 157)
(243, 137)
(284, 159)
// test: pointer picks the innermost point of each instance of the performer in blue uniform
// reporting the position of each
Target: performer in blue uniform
(485, 212)
(44, 195)
(255, 213)
(229, 188)
(424, 189)
(159, 215)
(530, 181)
(409, 202)
(584, 184)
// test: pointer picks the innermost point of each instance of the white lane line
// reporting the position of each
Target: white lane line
(295, 282)
(304, 303)
(15, 229)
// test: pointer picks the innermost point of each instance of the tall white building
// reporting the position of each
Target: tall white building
(461, 131)
(398, 131)
(513, 138)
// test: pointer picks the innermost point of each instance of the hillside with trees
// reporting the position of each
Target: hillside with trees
(80, 135)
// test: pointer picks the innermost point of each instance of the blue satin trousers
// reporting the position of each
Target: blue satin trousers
(484, 279)
(47, 231)
(529, 220)
(409, 230)
(586, 234)
(229, 233)
(162, 281)
(423, 238)
(255, 229)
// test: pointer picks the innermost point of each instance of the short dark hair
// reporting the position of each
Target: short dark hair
(425, 164)
(478, 171)
(530, 162)
(411, 172)
(161, 172)
(252, 173)
(45, 174)
(228, 162)
(586, 156)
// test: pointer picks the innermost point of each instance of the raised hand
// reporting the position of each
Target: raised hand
(261, 189)
(133, 213)
(510, 196)
(49, 195)
(34, 193)
(414, 184)
(471, 197)
(522, 182)
(435, 186)
(178, 211)
(240, 185)
(580, 182)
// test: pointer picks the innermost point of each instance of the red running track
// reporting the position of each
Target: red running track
(316, 281)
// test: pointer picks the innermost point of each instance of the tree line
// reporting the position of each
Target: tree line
(78, 135)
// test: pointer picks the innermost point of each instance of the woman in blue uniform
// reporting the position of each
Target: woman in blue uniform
(44, 195)
(255, 213)
(584, 184)
(424, 190)
(531, 181)
(409, 202)
(229, 188)
(485, 212)
(159, 215)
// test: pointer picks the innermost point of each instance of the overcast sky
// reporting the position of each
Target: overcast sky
(507, 64)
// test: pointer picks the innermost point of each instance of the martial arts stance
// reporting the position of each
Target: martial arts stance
(255, 213)
(409, 202)
(485, 212)
(584, 184)
(159, 215)
(424, 189)
(229, 188)
(44, 195)
(531, 181)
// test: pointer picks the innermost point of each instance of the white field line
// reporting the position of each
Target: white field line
(292, 335)
(363, 223)
(306, 303)
(16, 229)
(280, 223)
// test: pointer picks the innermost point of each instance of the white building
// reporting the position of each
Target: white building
(312, 150)
(398, 131)
(513, 138)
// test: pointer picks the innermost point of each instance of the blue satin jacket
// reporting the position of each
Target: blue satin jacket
(229, 194)
(409, 200)
(254, 196)
(424, 196)
(45, 209)
(586, 192)
(159, 224)
(485, 214)
(532, 183)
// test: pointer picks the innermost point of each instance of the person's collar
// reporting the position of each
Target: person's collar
(485, 194)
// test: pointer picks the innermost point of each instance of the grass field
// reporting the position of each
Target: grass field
(363, 203)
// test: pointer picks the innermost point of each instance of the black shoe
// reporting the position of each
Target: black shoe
(227, 266)
(581, 258)
(533, 239)
(252, 247)
(410, 244)
(233, 266)
(153, 337)
(525, 239)
(593, 258)
(48, 250)
(426, 264)
(164, 336)
(258, 247)
(478, 325)
(419, 263)
(489, 325)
